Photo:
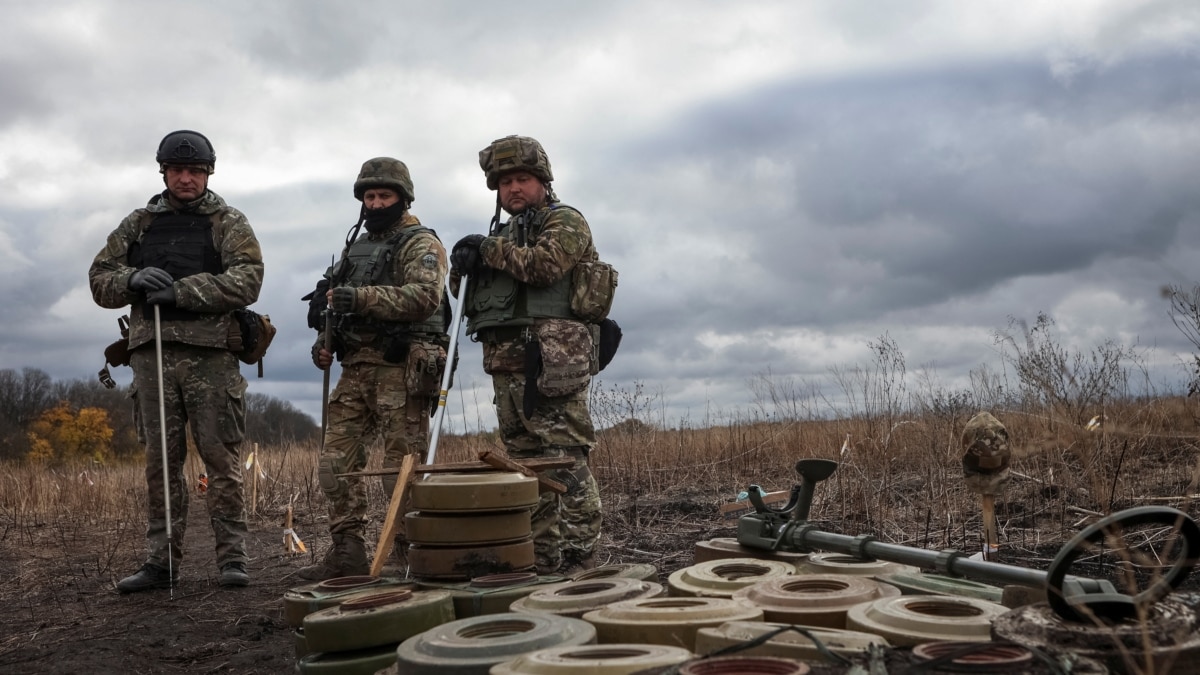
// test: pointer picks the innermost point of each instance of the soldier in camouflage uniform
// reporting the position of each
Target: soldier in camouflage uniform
(197, 260)
(390, 315)
(539, 353)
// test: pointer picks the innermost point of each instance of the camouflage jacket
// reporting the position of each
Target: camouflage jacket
(215, 295)
(419, 270)
(559, 241)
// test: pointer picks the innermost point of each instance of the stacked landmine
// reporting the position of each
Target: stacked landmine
(470, 525)
(303, 600)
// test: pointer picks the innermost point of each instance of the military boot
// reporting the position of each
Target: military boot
(150, 576)
(347, 557)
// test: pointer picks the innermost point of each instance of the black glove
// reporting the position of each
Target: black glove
(465, 258)
(162, 296)
(344, 298)
(316, 305)
(150, 279)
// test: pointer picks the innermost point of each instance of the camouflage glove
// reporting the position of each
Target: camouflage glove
(344, 299)
(150, 279)
(465, 258)
(162, 296)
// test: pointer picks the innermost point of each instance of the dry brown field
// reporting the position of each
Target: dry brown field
(68, 533)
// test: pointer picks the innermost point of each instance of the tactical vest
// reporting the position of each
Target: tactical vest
(181, 244)
(495, 299)
(369, 263)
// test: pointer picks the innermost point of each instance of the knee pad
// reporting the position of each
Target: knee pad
(327, 475)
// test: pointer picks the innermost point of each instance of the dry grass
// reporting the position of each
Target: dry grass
(900, 479)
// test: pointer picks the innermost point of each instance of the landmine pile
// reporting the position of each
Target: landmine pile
(475, 606)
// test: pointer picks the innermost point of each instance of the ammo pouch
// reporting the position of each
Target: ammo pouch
(423, 372)
(593, 286)
(566, 351)
(250, 333)
(116, 354)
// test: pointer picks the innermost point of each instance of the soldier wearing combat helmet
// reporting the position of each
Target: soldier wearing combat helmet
(539, 353)
(196, 259)
(389, 317)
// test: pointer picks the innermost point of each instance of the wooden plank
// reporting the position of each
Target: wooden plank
(740, 508)
(537, 464)
(387, 538)
(502, 461)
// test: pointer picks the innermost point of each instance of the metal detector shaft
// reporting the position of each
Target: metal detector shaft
(162, 427)
(1071, 597)
(436, 426)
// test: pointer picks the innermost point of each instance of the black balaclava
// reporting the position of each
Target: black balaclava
(378, 220)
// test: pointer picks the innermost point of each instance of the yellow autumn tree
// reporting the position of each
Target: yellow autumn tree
(60, 434)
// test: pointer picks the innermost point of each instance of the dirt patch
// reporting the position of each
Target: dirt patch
(64, 615)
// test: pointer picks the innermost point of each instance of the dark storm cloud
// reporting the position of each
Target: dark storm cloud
(904, 190)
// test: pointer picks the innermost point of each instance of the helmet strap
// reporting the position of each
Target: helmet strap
(352, 234)
(495, 225)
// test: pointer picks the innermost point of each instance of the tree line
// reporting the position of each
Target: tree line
(82, 419)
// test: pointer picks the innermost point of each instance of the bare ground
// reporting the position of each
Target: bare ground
(62, 613)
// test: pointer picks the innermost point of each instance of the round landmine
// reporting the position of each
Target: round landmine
(639, 571)
(744, 665)
(813, 599)
(912, 619)
(451, 529)
(461, 492)
(490, 594)
(301, 645)
(472, 646)
(840, 563)
(722, 578)
(383, 618)
(1167, 640)
(666, 621)
(721, 548)
(358, 662)
(594, 660)
(787, 642)
(937, 584)
(576, 598)
(461, 563)
(301, 601)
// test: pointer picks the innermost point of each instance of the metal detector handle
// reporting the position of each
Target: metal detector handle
(435, 428)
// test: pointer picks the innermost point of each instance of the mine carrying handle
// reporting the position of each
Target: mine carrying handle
(1072, 598)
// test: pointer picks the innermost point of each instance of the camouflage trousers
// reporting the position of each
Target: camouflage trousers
(560, 427)
(369, 401)
(203, 388)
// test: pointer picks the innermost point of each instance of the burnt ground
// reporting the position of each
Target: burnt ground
(62, 614)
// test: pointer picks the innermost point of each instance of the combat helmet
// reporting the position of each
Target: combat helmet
(186, 147)
(384, 172)
(514, 153)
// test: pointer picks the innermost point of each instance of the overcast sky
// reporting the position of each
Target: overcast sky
(778, 182)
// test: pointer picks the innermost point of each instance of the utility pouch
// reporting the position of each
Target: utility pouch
(250, 333)
(610, 340)
(116, 354)
(593, 287)
(566, 357)
(423, 372)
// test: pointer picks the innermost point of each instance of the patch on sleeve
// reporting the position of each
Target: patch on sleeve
(429, 261)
